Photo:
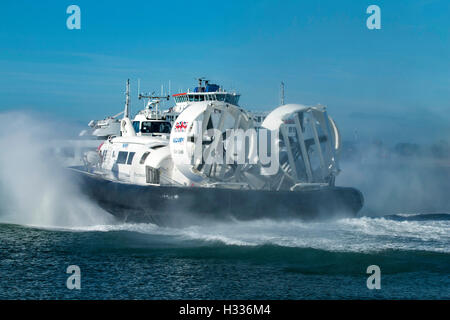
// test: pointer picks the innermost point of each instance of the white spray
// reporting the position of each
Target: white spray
(34, 189)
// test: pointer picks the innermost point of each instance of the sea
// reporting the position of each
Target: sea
(50, 233)
(260, 259)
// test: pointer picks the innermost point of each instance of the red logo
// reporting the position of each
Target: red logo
(181, 126)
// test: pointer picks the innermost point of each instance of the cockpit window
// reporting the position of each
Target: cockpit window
(229, 99)
(136, 126)
(155, 127)
(226, 97)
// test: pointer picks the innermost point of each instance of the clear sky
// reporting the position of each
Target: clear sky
(390, 83)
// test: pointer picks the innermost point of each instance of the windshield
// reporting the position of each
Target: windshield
(155, 127)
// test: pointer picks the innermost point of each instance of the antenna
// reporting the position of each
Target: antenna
(282, 93)
(152, 96)
(162, 94)
(139, 86)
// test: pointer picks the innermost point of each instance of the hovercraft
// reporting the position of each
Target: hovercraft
(217, 162)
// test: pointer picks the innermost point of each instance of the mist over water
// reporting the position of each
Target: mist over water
(392, 184)
(34, 189)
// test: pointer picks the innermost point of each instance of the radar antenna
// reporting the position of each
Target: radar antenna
(200, 81)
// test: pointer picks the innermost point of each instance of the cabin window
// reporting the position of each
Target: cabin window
(220, 97)
(201, 98)
(156, 127)
(136, 126)
(231, 99)
(191, 98)
(130, 157)
(144, 157)
(122, 157)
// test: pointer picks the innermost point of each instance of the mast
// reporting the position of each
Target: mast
(126, 128)
(126, 113)
(282, 93)
(155, 99)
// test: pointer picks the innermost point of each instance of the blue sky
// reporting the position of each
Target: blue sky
(389, 83)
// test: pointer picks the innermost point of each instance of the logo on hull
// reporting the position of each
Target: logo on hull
(180, 126)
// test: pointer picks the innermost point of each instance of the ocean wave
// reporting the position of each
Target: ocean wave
(365, 234)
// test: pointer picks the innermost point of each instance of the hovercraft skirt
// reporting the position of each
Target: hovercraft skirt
(168, 204)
